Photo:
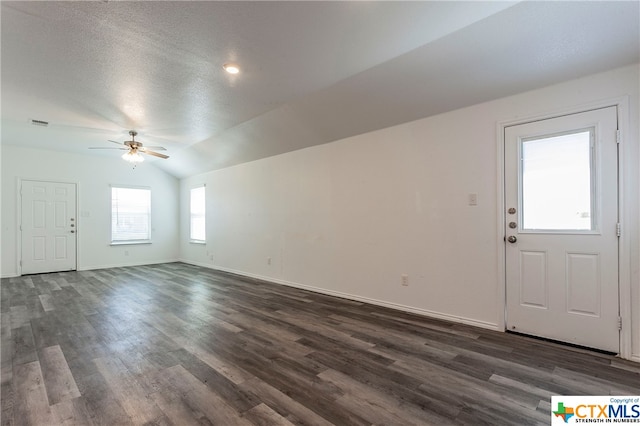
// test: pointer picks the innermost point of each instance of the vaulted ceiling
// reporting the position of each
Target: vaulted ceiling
(311, 72)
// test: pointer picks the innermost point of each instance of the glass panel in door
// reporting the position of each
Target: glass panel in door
(557, 182)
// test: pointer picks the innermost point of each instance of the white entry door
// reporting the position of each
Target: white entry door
(48, 226)
(561, 193)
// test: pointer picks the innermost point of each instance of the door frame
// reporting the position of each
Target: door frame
(19, 181)
(624, 214)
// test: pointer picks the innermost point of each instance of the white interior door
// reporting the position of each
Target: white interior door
(561, 193)
(48, 226)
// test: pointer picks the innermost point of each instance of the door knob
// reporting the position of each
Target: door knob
(73, 232)
(512, 239)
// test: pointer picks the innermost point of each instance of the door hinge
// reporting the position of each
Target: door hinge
(619, 323)
(21, 263)
(618, 136)
(618, 229)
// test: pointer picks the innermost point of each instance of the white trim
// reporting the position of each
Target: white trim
(18, 225)
(624, 251)
(124, 265)
(576, 109)
(9, 276)
(395, 306)
(117, 185)
(129, 242)
(624, 261)
(79, 225)
(501, 219)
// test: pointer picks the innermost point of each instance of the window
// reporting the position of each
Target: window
(197, 232)
(130, 215)
(557, 182)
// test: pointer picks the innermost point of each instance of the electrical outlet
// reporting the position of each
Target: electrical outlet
(268, 261)
(472, 199)
(404, 280)
(126, 252)
(211, 257)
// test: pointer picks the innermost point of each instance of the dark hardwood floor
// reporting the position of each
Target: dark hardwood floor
(176, 344)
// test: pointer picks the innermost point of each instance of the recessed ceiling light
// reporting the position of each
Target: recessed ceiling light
(231, 68)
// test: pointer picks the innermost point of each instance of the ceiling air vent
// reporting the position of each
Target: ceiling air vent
(39, 123)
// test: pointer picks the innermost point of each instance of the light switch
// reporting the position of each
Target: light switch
(473, 199)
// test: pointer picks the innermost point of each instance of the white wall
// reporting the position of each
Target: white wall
(351, 216)
(93, 176)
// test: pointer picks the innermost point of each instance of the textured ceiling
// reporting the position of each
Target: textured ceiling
(312, 72)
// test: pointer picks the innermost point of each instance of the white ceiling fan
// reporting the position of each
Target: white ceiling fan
(135, 148)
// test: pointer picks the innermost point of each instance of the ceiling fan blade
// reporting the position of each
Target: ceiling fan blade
(115, 142)
(105, 147)
(157, 148)
(155, 154)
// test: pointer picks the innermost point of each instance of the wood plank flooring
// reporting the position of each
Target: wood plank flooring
(176, 344)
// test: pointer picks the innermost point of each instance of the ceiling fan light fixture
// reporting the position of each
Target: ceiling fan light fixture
(133, 157)
(135, 149)
(231, 68)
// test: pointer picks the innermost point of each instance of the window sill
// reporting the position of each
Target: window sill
(199, 242)
(128, 243)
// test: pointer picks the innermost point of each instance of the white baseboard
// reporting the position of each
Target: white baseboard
(115, 265)
(124, 265)
(204, 265)
(10, 275)
(386, 304)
